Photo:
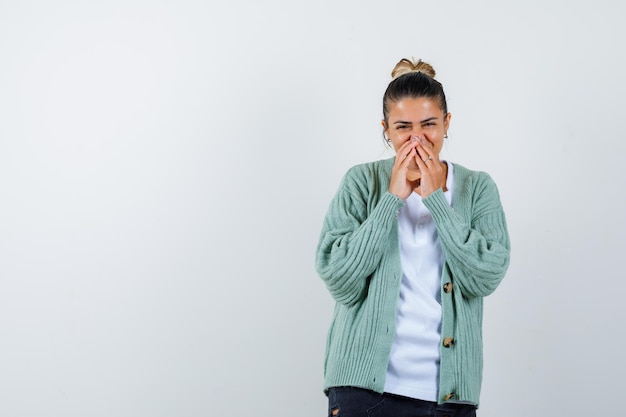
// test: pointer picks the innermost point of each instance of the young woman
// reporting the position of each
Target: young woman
(408, 249)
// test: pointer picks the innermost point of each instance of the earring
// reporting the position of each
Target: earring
(445, 136)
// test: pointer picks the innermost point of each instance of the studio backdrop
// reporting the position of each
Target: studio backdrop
(165, 168)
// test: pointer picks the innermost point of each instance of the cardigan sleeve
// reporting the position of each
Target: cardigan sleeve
(477, 251)
(354, 238)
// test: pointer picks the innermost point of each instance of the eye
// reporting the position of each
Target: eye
(429, 124)
(400, 127)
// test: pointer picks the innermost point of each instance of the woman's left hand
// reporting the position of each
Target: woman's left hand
(433, 171)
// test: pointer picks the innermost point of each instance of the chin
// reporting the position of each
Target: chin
(413, 174)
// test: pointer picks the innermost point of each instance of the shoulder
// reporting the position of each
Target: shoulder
(374, 168)
(474, 185)
(366, 181)
(368, 172)
(468, 177)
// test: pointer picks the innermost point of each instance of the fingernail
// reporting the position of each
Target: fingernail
(414, 138)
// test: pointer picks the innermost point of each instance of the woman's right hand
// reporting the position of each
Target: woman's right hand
(400, 185)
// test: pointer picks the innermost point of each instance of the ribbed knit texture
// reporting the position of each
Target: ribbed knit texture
(358, 259)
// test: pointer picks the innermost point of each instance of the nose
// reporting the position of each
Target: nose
(417, 132)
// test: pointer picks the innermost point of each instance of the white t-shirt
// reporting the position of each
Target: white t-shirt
(413, 369)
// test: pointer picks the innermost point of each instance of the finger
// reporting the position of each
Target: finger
(404, 151)
(420, 162)
(402, 160)
(424, 154)
(411, 143)
(426, 142)
(427, 145)
(430, 149)
(409, 157)
(428, 152)
(410, 146)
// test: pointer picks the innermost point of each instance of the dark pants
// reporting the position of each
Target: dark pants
(359, 402)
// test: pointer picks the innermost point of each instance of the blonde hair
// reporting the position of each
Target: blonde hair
(406, 66)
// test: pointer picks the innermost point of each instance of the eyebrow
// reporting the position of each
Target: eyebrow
(409, 123)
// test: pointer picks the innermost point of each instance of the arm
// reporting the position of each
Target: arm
(352, 241)
(477, 252)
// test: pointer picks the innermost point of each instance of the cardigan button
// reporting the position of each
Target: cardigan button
(447, 287)
(448, 341)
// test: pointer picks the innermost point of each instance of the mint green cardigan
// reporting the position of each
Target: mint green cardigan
(358, 259)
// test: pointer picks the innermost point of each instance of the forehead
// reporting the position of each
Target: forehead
(418, 108)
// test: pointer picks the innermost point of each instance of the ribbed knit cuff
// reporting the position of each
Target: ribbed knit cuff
(437, 204)
(389, 203)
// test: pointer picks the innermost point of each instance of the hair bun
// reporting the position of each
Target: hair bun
(406, 66)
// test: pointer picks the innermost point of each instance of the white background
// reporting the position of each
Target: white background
(165, 167)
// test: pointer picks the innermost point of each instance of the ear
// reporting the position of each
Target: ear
(446, 122)
(384, 125)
